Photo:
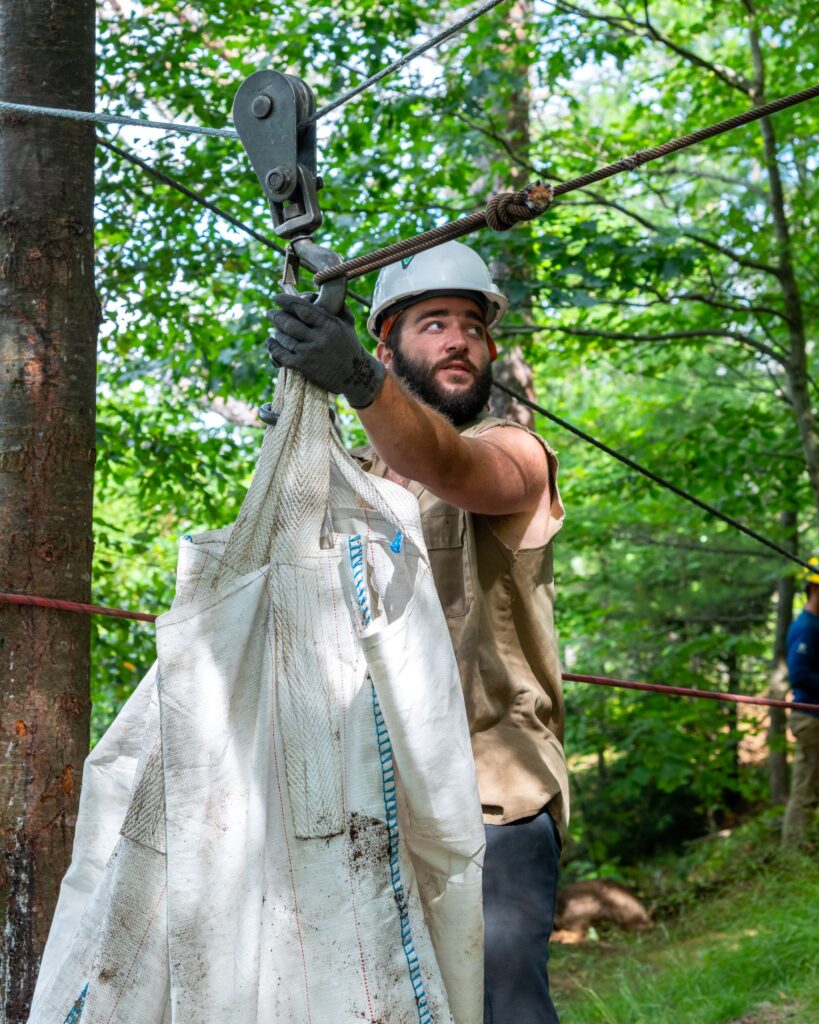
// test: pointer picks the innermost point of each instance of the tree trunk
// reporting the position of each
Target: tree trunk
(797, 364)
(513, 371)
(731, 713)
(512, 269)
(778, 680)
(48, 325)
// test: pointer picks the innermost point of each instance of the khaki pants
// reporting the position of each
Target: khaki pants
(804, 796)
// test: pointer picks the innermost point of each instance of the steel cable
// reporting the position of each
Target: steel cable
(197, 197)
(478, 220)
(396, 65)
(368, 262)
(715, 512)
(134, 122)
(95, 117)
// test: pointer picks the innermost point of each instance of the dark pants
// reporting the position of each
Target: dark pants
(519, 894)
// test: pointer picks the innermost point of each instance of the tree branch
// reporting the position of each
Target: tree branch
(726, 74)
(668, 336)
(707, 300)
(732, 254)
(670, 170)
(646, 30)
(745, 261)
(734, 307)
(648, 541)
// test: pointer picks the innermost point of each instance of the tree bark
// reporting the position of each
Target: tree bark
(512, 269)
(513, 371)
(778, 679)
(49, 318)
(796, 366)
(731, 713)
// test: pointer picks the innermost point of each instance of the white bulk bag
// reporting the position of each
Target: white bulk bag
(283, 823)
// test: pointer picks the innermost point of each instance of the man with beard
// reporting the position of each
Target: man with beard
(490, 508)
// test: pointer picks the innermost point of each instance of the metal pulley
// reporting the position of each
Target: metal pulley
(271, 112)
(268, 112)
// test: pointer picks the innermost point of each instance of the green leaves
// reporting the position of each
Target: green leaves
(659, 327)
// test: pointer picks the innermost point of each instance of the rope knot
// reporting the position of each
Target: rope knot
(505, 209)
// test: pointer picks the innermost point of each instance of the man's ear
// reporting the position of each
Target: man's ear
(384, 353)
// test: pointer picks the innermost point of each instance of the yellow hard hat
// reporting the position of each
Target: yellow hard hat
(809, 576)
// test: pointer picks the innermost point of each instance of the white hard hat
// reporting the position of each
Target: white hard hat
(451, 268)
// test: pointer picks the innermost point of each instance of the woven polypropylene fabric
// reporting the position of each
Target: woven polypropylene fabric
(283, 517)
(145, 821)
(322, 827)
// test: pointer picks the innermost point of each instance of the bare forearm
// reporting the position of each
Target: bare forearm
(500, 473)
(414, 440)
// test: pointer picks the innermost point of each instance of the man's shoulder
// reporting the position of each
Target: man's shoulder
(480, 425)
(486, 423)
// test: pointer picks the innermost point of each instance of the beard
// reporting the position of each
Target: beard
(459, 406)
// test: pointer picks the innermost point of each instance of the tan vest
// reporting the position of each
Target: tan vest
(499, 608)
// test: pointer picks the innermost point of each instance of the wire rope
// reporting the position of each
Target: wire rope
(536, 199)
(626, 460)
(396, 65)
(208, 204)
(95, 117)
(655, 477)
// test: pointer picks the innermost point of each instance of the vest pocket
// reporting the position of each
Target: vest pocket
(444, 533)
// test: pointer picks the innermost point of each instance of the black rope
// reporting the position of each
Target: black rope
(475, 221)
(715, 512)
(403, 61)
(197, 197)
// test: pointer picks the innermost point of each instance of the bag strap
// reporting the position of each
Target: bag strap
(286, 505)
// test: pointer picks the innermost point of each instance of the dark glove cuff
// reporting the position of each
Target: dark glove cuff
(364, 381)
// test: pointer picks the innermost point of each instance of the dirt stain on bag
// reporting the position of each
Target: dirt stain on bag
(369, 842)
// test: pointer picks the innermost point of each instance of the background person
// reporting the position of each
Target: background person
(803, 671)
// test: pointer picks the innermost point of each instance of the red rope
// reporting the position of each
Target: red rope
(682, 691)
(625, 684)
(74, 606)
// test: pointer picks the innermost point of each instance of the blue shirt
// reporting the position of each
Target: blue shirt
(803, 659)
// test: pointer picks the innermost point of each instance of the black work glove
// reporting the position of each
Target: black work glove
(325, 348)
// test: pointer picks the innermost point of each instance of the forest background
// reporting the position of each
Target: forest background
(671, 312)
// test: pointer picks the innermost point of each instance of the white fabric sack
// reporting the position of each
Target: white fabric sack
(283, 823)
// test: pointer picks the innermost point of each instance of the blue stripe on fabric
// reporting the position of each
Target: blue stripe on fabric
(75, 1012)
(357, 566)
(391, 809)
(390, 799)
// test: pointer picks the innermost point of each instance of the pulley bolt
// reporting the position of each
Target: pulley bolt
(279, 179)
(262, 106)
